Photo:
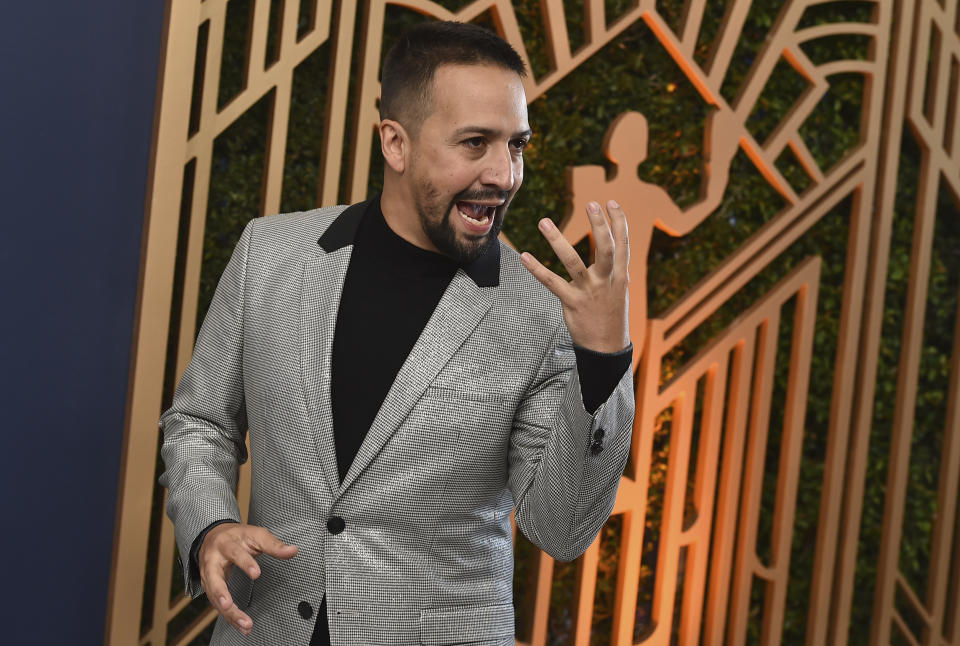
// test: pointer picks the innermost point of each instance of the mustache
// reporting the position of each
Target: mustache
(481, 196)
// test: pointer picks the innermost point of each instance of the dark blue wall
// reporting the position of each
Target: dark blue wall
(78, 86)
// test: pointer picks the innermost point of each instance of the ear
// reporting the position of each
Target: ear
(394, 144)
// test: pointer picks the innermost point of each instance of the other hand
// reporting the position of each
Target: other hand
(595, 301)
(237, 544)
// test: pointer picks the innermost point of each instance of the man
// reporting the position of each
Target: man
(406, 381)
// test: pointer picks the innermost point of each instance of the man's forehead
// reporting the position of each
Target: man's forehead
(479, 88)
(467, 68)
(475, 73)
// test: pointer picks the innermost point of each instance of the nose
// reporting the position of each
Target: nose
(499, 171)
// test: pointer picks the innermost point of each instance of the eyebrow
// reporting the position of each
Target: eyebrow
(489, 132)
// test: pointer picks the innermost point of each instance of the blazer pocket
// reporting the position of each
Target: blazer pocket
(240, 587)
(466, 625)
(456, 394)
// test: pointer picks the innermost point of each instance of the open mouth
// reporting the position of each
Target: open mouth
(478, 215)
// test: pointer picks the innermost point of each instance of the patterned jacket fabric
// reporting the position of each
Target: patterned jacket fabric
(484, 416)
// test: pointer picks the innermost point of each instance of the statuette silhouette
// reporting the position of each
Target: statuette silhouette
(648, 205)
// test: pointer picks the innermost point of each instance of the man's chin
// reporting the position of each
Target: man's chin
(468, 251)
(480, 244)
(462, 246)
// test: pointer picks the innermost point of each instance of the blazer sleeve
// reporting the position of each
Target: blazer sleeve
(205, 427)
(565, 463)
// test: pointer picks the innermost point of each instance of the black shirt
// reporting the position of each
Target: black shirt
(389, 293)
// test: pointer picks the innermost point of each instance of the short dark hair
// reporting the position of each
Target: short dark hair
(410, 65)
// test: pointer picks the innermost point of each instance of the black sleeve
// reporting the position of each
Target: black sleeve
(600, 372)
(197, 542)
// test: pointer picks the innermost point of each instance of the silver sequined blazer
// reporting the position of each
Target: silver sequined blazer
(484, 416)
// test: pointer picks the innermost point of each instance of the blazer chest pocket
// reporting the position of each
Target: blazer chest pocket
(473, 625)
(481, 417)
(460, 394)
(240, 587)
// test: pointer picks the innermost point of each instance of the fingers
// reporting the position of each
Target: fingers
(245, 561)
(215, 584)
(267, 543)
(564, 250)
(621, 240)
(234, 544)
(602, 239)
(547, 278)
(240, 620)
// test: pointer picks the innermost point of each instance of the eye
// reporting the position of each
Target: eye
(519, 143)
(474, 143)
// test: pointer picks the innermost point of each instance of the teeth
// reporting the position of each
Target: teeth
(474, 209)
(481, 221)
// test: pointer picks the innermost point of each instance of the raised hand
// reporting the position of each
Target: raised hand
(595, 301)
(237, 544)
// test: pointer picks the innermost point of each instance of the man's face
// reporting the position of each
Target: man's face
(466, 161)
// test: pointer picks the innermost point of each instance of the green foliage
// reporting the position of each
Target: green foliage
(301, 169)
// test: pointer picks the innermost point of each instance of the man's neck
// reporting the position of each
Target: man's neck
(401, 216)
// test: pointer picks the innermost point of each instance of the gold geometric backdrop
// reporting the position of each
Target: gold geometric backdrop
(791, 171)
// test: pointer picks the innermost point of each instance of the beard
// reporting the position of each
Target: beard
(435, 219)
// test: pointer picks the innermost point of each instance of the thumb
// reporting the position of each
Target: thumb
(270, 544)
